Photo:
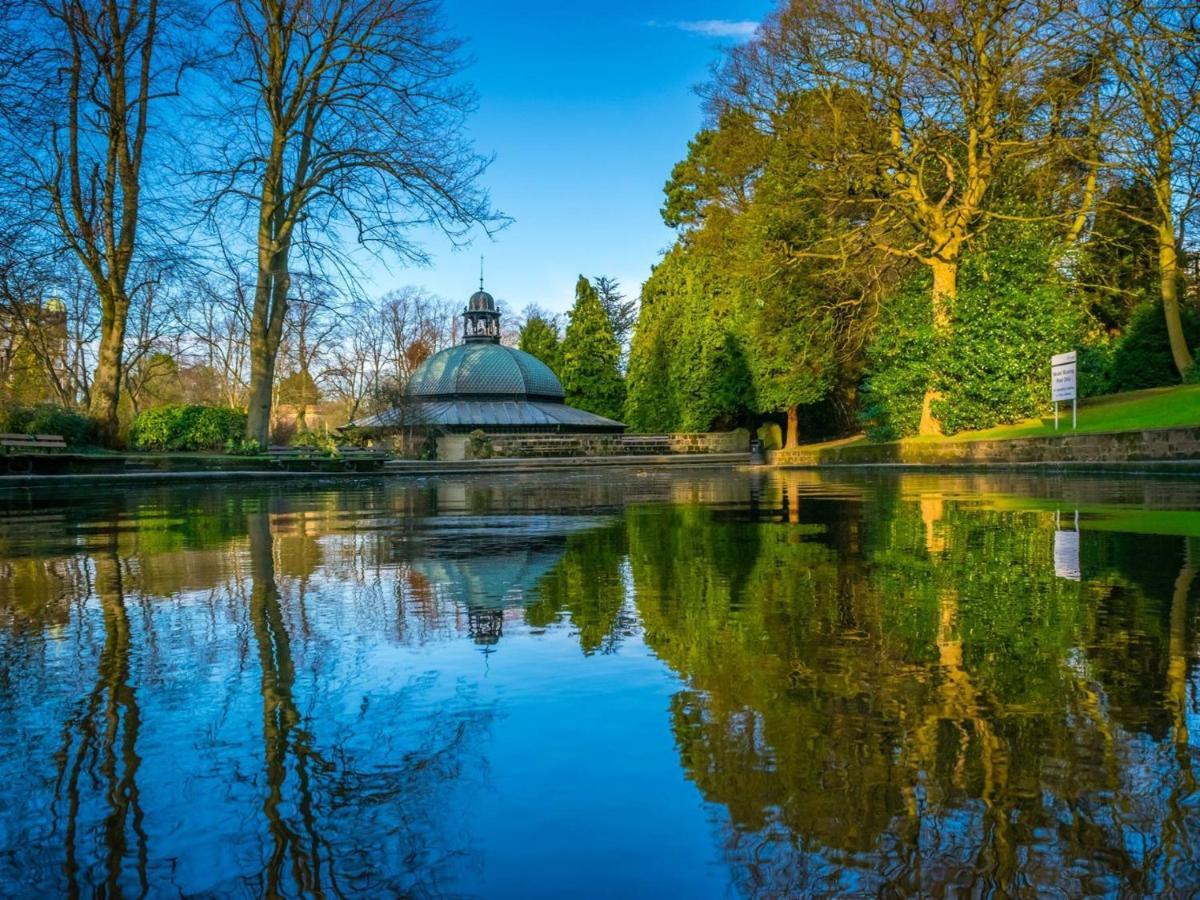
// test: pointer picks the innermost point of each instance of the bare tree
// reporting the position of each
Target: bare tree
(77, 108)
(357, 360)
(351, 119)
(311, 322)
(1155, 54)
(416, 325)
(153, 343)
(382, 343)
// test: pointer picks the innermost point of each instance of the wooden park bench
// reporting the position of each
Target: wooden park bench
(363, 458)
(282, 455)
(19, 450)
(367, 453)
(36, 443)
(283, 451)
(352, 457)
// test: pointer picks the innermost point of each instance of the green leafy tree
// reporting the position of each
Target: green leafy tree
(539, 337)
(591, 357)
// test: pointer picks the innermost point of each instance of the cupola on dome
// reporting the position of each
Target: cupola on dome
(481, 301)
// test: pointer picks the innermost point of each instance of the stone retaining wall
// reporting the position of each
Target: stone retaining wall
(535, 445)
(1124, 446)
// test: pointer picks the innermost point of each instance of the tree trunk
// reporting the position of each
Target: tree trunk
(266, 330)
(945, 289)
(106, 386)
(793, 427)
(1168, 275)
(1177, 680)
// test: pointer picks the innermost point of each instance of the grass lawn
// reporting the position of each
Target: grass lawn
(1154, 408)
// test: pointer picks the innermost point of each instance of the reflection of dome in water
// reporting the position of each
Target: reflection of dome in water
(494, 562)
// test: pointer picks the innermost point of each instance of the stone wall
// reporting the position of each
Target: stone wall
(1126, 446)
(451, 447)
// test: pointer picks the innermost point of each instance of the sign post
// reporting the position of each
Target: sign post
(1062, 385)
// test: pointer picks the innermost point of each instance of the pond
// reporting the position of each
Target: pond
(611, 682)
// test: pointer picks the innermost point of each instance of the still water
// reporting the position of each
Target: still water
(635, 683)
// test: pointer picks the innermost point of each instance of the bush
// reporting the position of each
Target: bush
(899, 363)
(479, 445)
(1094, 367)
(243, 447)
(1010, 316)
(46, 418)
(316, 440)
(182, 427)
(1142, 356)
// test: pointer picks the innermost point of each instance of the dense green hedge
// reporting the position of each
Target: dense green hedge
(1009, 318)
(46, 418)
(1007, 321)
(899, 363)
(181, 427)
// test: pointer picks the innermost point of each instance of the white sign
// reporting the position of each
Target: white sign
(1062, 377)
(1066, 550)
(1066, 555)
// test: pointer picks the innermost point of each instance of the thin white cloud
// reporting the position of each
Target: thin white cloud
(722, 28)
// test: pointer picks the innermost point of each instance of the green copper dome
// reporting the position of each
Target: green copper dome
(483, 370)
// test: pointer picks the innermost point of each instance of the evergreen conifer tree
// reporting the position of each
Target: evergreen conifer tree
(539, 337)
(591, 357)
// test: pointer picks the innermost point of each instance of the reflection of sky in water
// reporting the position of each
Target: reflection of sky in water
(700, 684)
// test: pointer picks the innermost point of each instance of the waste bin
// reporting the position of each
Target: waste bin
(756, 452)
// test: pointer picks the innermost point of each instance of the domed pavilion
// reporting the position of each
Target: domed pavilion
(483, 385)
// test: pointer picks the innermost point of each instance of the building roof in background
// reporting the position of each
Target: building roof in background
(499, 413)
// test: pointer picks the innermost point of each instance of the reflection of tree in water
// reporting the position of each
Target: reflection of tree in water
(919, 711)
(99, 754)
(356, 815)
(588, 584)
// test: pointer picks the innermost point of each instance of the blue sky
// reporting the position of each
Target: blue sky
(587, 107)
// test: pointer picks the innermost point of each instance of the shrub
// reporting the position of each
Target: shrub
(1010, 316)
(1142, 356)
(317, 440)
(899, 363)
(46, 418)
(243, 446)
(183, 427)
(479, 445)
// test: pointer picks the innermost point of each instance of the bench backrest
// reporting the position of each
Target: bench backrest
(29, 440)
